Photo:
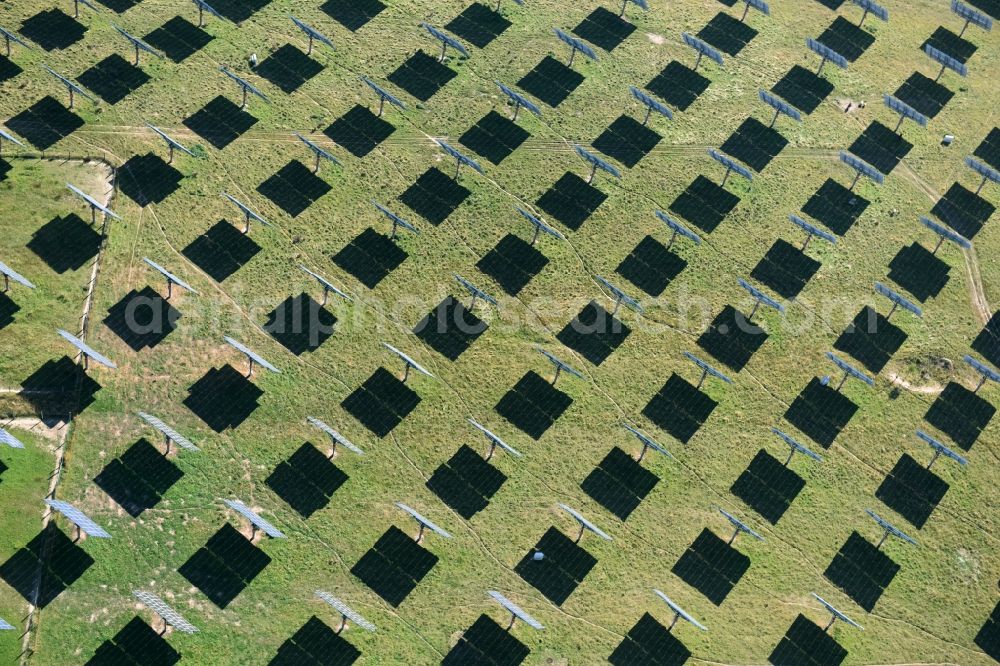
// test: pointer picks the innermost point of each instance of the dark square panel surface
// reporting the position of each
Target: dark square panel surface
(422, 76)
(821, 412)
(478, 24)
(178, 38)
(991, 7)
(679, 408)
(370, 257)
(513, 263)
(803, 89)
(221, 251)
(836, 207)
(727, 34)
(359, 131)
(223, 398)
(786, 269)
(960, 414)
(918, 271)
(678, 85)
(450, 328)
(353, 14)
(53, 29)
(604, 29)
(627, 140)
(571, 200)
(147, 179)
(651, 266)
(435, 196)
(66, 243)
(551, 81)
(220, 122)
(533, 405)
(704, 204)
(45, 122)
(288, 68)
(862, 571)
(595, 334)
(300, 324)
(113, 79)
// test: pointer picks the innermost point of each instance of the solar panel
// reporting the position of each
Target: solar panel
(584, 523)
(576, 45)
(703, 49)
(677, 229)
(560, 366)
(73, 88)
(321, 153)
(168, 432)
(345, 611)
(255, 520)
(905, 111)
(334, 436)
(984, 370)
(651, 104)
(680, 612)
(410, 363)
(836, 613)
(11, 37)
(519, 100)
(171, 278)
(5, 625)
(203, 7)
(945, 233)
(596, 163)
(620, 296)
(779, 105)
(796, 446)
(169, 615)
(251, 355)
(539, 226)
(706, 369)
(383, 95)
(940, 449)
(826, 53)
(897, 300)
(138, 44)
(494, 440)
(92, 202)
(249, 214)
(327, 286)
(740, 525)
(78, 518)
(862, 167)
(459, 158)
(873, 8)
(946, 61)
(313, 34)
(811, 230)
(246, 86)
(171, 143)
(515, 610)
(987, 172)
(396, 220)
(760, 297)
(446, 41)
(849, 370)
(890, 529)
(476, 292)
(9, 440)
(10, 274)
(972, 16)
(424, 522)
(87, 350)
(6, 136)
(647, 442)
(730, 164)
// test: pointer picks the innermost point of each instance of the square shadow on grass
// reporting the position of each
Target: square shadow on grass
(963, 210)
(533, 405)
(45, 122)
(821, 412)
(8, 69)
(307, 480)
(494, 137)
(142, 319)
(755, 144)
(924, 94)
(881, 147)
(478, 24)
(147, 179)
(918, 271)
(59, 388)
(805, 642)
(394, 566)
(594, 333)
(370, 257)
(113, 79)
(871, 339)
(987, 342)
(381, 403)
(989, 150)
(862, 571)
(238, 11)
(66, 243)
(359, 131)
(651, 266)
(785, 269)
(221, 251)
(53, 29)
(551, 81)
(435, 196)
(300, 324)
(988, 637)
(138, 479)
(846, 39)
(704, 204)
(294, 188)
(768, 486)
(711, 566)
(136, 643)
(8, 308)
(679, 408)
(627, 140)
(316, 643)
(513, 263)
(39, 584)
(649, 642)
(422, 76)
(679, 85)
(727, 34)
(352, 14)
(288, 68)
(803, 89)
(604, 28)
(220, 122)
(912, 491)
(951, 44)
(486, 642)
(563, 567)
(619, 483)
(225, 566)
(450, 328)
(571, 200)
(466, 482)
(960, 414)
(836, 207)
(179, 39)
(732, 339)
(223, 399)
(119, 6)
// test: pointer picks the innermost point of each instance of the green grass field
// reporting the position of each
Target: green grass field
(930, 613)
